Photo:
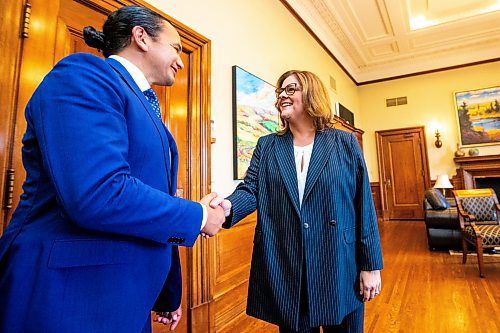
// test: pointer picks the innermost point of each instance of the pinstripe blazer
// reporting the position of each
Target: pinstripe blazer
(334, 231)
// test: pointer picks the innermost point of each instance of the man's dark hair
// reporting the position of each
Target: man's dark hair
(117, 29)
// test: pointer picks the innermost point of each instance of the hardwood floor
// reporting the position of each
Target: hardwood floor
(431, 292)
(424, 291)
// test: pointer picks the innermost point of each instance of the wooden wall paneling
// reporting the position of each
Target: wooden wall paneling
(10, 47)
(233, 256)
(375, 188)
(63, 41)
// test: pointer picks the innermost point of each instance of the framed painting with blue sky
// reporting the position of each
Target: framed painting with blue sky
(478, 114)
(254, 115)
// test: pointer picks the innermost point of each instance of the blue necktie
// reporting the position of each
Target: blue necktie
(153, 100)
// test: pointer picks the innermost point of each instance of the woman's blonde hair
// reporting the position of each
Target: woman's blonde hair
(314, 98)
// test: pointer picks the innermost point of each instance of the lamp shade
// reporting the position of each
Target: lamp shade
(442, 181)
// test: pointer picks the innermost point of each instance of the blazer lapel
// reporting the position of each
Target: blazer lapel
(174, 163)
(322, 149)
(286, 165)
(166, 137)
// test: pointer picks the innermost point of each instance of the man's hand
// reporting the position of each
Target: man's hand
(215, 216)
(173, 318)
(370, 284)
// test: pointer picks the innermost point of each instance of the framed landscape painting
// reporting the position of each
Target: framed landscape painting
(478, 114)
(254, 115)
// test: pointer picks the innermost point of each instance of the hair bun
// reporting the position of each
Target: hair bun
(93, 38)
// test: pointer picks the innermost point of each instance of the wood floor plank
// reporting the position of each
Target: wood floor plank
(426, 291)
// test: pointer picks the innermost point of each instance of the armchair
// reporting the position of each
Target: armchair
(479, 216)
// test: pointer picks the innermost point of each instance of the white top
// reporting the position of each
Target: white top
(302, 159)
(143, 84)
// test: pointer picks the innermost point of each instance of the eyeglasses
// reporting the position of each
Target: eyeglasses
(290, 89)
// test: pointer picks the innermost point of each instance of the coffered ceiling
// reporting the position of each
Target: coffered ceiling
(381, 39)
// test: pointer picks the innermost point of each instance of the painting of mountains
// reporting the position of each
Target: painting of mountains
(254, 115)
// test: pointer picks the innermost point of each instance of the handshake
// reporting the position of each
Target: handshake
(218, 209)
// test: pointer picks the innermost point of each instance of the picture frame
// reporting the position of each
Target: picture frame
(478, 116)
(254, 115)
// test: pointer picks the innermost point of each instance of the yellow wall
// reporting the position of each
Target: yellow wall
(430, 102)
(262, 37)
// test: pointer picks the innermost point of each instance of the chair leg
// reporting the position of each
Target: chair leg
(479, 249)
(464, 250)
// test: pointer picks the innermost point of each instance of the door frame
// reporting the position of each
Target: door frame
(381, 163)
(11, 45)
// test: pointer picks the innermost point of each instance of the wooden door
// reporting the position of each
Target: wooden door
(54, 35)
(185, 110)
(403, 172)
(11, 12)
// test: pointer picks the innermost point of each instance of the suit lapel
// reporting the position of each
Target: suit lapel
(166, 137)
(174, 162)
(286, 165)
(322, 149)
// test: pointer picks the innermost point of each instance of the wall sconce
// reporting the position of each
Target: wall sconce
(438, 142)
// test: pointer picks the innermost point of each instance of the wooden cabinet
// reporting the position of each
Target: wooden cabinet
(345, 126)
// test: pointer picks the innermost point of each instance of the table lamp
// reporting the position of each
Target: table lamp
(443, 182)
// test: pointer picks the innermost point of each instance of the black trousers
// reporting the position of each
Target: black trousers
(352, 323)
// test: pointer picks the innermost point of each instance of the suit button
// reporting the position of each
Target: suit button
(306, 225)
(174, 240)
(333, 222)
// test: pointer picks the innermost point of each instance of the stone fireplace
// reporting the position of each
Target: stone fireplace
(478, 172)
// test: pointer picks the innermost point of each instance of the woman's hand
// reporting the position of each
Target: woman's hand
(370, 284)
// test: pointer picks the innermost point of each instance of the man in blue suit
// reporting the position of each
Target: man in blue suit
(92, 246)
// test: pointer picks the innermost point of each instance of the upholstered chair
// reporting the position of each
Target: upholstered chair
(479, 216)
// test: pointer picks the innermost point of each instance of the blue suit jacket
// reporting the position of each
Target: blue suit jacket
(333, 235)
(94, 237)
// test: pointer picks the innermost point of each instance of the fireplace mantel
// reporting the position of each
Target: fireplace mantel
(472, 167)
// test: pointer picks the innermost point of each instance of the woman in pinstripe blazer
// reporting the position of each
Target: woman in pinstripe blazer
(316, 255)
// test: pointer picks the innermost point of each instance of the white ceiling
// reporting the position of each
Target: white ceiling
(381, 39)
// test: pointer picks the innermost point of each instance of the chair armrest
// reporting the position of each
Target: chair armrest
(466, 216)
